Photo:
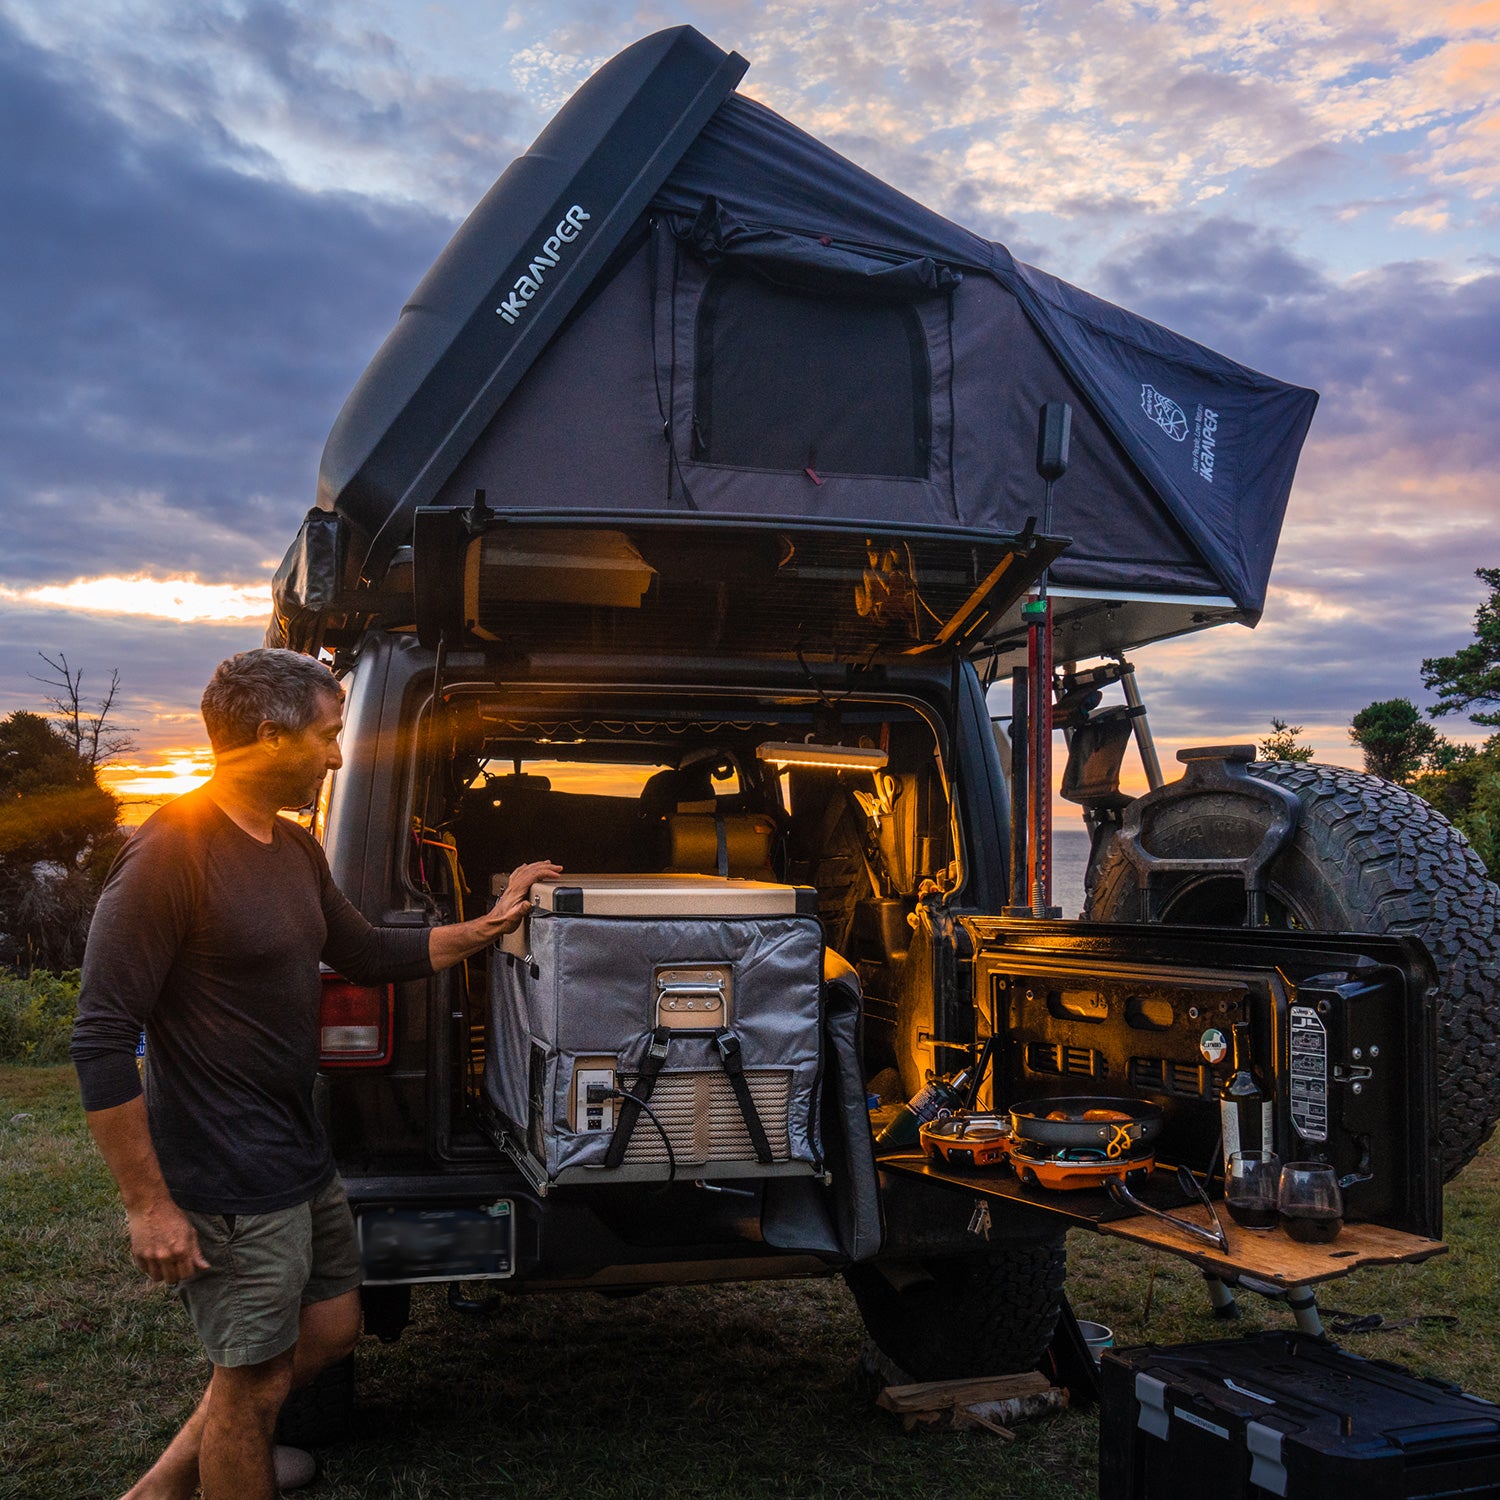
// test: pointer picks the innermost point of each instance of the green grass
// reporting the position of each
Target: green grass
(744, 1391)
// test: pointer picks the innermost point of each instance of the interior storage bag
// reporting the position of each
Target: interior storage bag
(699, 996)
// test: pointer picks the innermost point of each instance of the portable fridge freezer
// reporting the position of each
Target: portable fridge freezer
(1285, 1414)
(655, 1025)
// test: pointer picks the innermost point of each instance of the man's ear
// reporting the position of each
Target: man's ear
(269, 734)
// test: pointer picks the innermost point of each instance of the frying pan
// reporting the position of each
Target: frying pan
(1119, 1126)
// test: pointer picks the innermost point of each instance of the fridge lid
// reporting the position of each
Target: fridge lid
(670, 896)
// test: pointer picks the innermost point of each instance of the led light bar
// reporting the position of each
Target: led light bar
(836, 757)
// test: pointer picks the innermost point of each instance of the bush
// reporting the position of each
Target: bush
(36, 1016)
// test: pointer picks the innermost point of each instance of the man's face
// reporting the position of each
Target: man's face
(305, 757)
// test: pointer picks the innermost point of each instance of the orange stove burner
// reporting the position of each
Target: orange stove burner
(1075, 1169)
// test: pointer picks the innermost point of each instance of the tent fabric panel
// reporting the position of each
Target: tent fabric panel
(764, 171)
(811, 263)
(499, 292)
(1217, 440)
(1004, 372)
(583, 428)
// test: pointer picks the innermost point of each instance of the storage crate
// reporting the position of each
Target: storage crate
(1287, 1415)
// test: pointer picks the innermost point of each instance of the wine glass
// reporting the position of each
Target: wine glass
(1250, 1188)
(1310, 1203)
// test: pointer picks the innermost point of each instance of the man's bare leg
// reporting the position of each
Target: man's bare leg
(174, 1476)
(327, 1331)
(234, 1461)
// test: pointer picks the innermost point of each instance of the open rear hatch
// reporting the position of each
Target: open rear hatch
(653, 587)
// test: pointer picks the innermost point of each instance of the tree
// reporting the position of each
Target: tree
(1471, 675)
(1281, 743)
(94, 741)
(58, 834)
(1397, 741)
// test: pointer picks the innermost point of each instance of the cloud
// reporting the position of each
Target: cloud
(323, 99)
(215, 210)
(163, 666)
(182, 333)
(183, 599)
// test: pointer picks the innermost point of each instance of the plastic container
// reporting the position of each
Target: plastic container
(1283, 1414)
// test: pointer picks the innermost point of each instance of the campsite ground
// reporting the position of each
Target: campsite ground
(742, 1391)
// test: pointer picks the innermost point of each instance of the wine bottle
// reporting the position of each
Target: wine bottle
(1245, 1101)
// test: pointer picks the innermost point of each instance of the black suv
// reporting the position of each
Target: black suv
(685, 531)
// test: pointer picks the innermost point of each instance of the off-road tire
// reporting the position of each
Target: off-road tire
(989, 1314)
(322, 1412)
(1367, 856)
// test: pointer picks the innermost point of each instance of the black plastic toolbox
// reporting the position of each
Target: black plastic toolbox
(1285, 1414)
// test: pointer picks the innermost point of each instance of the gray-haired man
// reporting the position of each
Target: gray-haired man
(208, 935)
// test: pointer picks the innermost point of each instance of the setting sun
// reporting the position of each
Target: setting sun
(142, 788)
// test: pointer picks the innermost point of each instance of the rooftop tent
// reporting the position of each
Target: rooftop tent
(678, 302)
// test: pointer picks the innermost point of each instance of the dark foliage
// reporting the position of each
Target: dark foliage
(58, 834)
(1396, 740)
(1472, 675)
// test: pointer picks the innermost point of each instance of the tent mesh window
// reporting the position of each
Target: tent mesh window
(788, 381)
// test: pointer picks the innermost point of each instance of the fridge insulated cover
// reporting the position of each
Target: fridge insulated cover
(574, 985)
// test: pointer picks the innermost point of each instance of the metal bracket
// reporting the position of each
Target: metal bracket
(1212, 770)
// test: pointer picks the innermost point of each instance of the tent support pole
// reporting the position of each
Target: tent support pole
(1140, 726)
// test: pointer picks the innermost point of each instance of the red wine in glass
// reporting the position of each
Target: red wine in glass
(1253, 1215)
(1314, 1226)
(1250, 1188)
(1312, 1207)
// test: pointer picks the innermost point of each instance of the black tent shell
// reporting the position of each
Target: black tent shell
(677, 302)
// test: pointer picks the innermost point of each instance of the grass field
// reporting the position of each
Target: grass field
(748, 1391)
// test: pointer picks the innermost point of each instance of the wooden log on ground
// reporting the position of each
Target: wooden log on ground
(991, 1403)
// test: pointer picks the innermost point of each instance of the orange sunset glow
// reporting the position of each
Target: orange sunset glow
(143, 785)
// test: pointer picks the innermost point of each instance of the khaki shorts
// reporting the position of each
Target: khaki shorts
(263, 1269)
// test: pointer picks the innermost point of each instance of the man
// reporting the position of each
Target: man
(208, 936)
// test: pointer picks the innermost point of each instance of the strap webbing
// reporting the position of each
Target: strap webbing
(729, 1051)
(656, 1055)
(630, 1108)
(721, 852)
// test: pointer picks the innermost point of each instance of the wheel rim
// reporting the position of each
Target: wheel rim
(1219, 901)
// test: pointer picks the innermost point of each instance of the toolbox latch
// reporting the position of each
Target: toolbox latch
(1266, 1468)
(1151, 1396)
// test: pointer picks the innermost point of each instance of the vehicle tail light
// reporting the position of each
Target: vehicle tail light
(354, 1023)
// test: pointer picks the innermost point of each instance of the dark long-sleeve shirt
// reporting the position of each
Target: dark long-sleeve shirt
(209, 941)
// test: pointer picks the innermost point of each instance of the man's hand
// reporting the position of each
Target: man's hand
(511, 904)
(448, 945)
(163, 1243)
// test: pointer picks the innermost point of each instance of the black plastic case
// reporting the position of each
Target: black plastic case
(1287, 1415)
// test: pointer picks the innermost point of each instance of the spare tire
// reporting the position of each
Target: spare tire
(992, 1313)
(1367, 856)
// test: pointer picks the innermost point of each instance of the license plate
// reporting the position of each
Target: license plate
(438, 1244)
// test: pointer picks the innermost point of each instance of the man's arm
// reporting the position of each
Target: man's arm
(449, 945)
(143, 914)
(163, 1243)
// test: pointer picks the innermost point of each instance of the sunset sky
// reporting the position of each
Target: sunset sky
(213, 213)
